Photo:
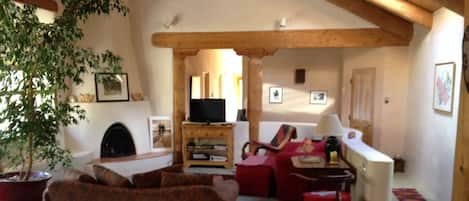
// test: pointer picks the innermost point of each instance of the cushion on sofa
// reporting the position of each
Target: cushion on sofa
(77, 175)
(152, 179)
(169, 179)
(110, 178)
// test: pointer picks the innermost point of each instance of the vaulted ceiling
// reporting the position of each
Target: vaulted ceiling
(392, 16)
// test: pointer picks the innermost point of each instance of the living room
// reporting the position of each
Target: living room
(404, 122)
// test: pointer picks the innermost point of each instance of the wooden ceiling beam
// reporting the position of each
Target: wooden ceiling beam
(455, 5)
(381, 18)
(44, 4)
(373, 37)
(406, 10)
(430, 5)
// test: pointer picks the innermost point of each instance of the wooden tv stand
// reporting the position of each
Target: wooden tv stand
(192, 132)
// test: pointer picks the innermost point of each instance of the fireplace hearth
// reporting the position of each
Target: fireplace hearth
(117, 142)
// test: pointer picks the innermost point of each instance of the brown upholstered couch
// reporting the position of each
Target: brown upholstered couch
(80, 190)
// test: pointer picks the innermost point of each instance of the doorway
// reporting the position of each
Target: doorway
(362, 102)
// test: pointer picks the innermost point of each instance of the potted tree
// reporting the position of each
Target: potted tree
(36, 59)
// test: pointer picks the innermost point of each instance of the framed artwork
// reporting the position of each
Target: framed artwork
(443, 87)
(111, 87)
(161, 133)
(318, 97)
(275, 95)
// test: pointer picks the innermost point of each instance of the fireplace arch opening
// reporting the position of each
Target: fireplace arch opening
(117, 142)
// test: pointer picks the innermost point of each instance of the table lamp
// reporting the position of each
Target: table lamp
(329, 125)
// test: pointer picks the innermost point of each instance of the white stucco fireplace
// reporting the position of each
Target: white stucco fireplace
(86, 137)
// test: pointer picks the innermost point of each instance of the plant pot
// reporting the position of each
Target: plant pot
(23, 190)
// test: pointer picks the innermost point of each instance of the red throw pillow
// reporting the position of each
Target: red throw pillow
(110, 178)
(169, 179)
(152, 179)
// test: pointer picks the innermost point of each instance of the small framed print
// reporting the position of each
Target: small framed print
(275, 95)
(161, 133)
(111, 87)
(443, 87)
(318, 98)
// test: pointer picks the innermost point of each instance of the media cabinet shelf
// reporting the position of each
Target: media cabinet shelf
(192, 131)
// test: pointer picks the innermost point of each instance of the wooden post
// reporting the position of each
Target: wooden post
(254, 93)
(179, 98)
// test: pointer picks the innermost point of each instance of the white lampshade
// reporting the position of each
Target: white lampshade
(329, 125)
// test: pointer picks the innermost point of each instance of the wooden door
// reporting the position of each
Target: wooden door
(362, 102)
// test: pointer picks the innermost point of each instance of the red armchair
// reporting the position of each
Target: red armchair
(284, 134)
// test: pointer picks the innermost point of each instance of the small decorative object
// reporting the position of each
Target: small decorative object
(86, 98)
(329, 125)
(308, 146)
(72, 99)
(318, 97)
(161, 133)
(275, 95)
(112, 87)
(443, 87)
(137, 96)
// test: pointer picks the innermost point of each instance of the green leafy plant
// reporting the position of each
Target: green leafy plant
(36, 60)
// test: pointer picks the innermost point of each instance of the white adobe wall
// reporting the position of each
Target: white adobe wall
(431, 139)
(392, 69)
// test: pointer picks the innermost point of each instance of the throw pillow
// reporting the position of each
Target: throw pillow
(152, 179)
(110, 178)
(77, 175)
(169, 179)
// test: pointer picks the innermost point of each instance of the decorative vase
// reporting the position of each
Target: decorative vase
(23, 190)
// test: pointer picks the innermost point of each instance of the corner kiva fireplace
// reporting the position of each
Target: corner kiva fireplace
(117, 142)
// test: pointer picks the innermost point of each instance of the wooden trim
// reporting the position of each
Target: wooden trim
(430, 5)
(406, 10)
(44, 4)
(385, 20)
(179, 98)
(371, 37)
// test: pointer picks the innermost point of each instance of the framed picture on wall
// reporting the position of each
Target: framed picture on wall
(275, 95)
(161, 133)
(111, 87)
(318, 97)
(443, 87)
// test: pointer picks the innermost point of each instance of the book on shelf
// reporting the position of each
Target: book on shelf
(218, 158)
(196, 156)
(220, 147)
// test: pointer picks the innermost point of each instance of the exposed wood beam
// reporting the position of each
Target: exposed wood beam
(406, 10)
(280, 39)
(379, 17)
(430, 5)
(45, 4)
(433, 5)
(455, 5)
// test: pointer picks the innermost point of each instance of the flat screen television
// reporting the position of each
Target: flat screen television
(207, 110)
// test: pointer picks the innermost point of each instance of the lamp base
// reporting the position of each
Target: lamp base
(332, 145)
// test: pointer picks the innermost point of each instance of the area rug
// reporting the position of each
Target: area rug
(407, 194)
